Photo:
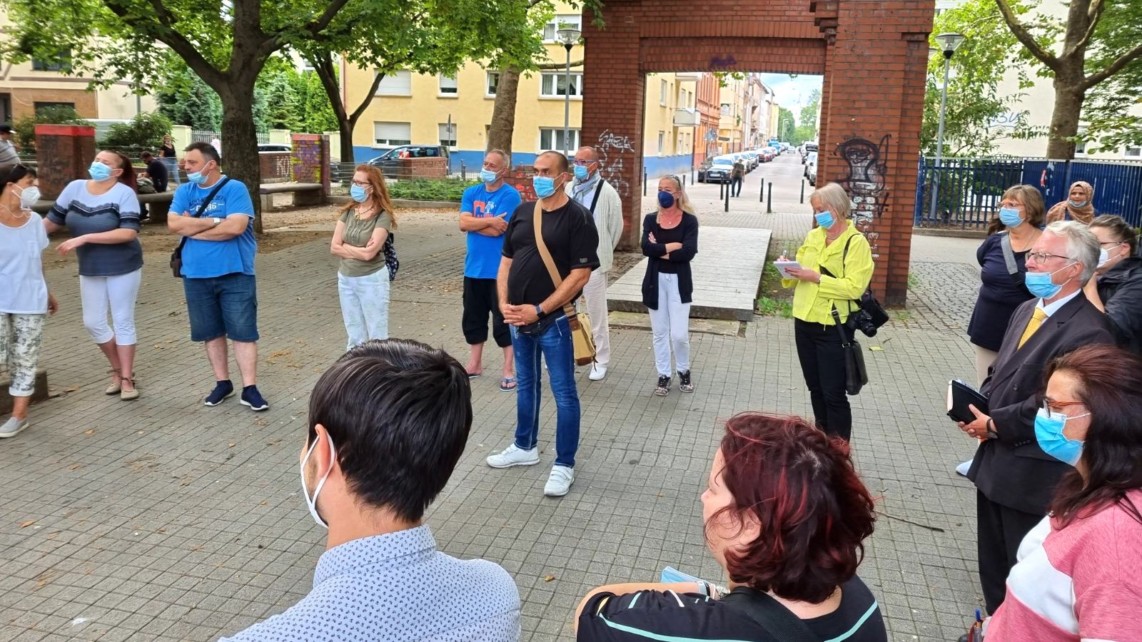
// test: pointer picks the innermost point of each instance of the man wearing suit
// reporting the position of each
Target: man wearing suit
(1014, 478)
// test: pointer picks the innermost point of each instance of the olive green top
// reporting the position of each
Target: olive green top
(357, 233)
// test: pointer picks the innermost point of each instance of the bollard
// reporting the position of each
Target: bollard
(761, 197)
(644, 180)
(769, 202)
(802, 191)
(683, 181)
(463, 171)
(727, 208)
(721, 188)
(692, 181)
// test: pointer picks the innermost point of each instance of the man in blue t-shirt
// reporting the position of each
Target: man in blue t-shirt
(218, 270)
(484, 215)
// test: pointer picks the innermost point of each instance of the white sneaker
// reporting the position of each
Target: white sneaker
(559, 482)
(12, 427)
(963, 468)
(598, 372)
(513, 456)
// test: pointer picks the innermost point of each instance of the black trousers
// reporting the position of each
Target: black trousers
(823, 365)
(736, 186)
(480, 298)
(1001, 529)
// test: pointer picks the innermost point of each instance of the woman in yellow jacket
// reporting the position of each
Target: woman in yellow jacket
(829, 276)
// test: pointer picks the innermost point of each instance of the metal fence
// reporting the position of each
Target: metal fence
(203, 136)
(968, 190)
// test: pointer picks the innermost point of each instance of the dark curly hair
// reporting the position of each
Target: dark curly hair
(814, 511)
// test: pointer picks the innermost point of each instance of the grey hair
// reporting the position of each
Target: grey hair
(1082, 245)
(835, 198)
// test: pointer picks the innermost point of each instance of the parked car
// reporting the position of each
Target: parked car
(274, 147)
(720, 169)
(770, 153)
(811, 168)
(389, 162)
(806, 148)
(703, 168)
(754, 158)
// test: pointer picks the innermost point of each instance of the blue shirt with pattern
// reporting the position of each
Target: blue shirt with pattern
(398, 587)
(485, 252)
(205, 259)
(86, 213)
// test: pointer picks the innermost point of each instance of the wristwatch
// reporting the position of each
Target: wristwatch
(216, 220)
(538, 312)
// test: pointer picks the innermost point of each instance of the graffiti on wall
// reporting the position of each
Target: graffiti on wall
(866, 182)
(718, 63)
(611, 149)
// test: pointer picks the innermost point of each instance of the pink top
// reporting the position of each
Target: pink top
(1081, 582)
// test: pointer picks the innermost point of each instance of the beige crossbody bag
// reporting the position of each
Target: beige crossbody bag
(579, 321)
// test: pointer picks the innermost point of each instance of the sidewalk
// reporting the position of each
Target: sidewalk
(165, 520)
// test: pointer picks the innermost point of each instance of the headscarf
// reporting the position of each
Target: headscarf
(1066, 210)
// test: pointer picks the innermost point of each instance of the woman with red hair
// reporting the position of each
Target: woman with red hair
(785, 517)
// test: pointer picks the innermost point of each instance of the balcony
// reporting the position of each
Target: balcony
(687, 117)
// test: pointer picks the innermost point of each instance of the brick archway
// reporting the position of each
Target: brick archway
(873, 56)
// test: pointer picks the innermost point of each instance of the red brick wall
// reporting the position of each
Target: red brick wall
(873, 55)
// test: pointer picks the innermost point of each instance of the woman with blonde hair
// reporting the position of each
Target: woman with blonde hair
(670, 239)
(835, 269)
(363, 229)
(1079, 205)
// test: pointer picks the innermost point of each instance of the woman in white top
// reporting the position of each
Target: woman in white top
(24, 299)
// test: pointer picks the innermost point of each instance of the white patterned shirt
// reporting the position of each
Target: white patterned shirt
(398, 587)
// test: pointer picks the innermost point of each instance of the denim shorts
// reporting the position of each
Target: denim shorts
(222, 306)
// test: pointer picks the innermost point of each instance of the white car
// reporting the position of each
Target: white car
(811, 168)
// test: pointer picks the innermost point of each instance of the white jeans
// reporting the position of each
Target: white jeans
(365, 306)
(595, 296)
(984, 359)
(118, 294)
(670, 326)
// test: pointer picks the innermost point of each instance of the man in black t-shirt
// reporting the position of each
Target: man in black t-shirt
(532, 306)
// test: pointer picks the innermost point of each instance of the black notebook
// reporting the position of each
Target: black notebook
(960, 395)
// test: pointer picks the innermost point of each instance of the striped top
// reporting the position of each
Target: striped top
(670, 617)
(1081, 582)
(86, 213)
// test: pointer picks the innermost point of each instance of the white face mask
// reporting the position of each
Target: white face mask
(1103, 257)
(29, 196)
(311, 502)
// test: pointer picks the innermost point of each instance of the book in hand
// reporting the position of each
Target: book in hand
(960, 396)
(783, 267)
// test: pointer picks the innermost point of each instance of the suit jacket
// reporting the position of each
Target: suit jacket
(1012, 470)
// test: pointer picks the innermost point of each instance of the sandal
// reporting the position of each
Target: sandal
(114, 388)
(507, 384)
(129, 395)
(473, 375)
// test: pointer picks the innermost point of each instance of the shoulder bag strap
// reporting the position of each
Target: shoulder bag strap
(598, 190)
(544, 254)
(1009, 254)
(202, 208)
(827, 272)
(770, 615)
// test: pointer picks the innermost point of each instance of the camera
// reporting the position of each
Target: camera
(861, 320)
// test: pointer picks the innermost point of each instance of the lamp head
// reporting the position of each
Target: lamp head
(568, 36)
(949, 42)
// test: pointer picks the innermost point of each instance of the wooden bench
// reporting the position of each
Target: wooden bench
(158, 206)
(303, 193)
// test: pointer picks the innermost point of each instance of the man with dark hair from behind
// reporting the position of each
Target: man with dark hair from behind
(387, 424)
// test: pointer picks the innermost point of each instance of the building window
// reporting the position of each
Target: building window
(570, 21)
(492, 82)
(62, 65)
(392, 133)
(553, 139)
(1132, 152)
(41, 106)
(555, 85)
(661, 143)
(447, 134)
(448, 86)
(662, 92)
(725, 109)
(397, 83)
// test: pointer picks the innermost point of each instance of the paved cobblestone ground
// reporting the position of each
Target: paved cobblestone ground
(165, 520)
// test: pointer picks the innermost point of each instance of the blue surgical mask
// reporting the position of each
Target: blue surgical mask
(311, 502)
(665, 199)
(358, 193)
(1078, 205)
(582, 173)
(1049, 434)
(544, 186)
(1040, 285)
(99, 171)
(488, 176)
(825, 219)
(1009, 216)
(197, 178)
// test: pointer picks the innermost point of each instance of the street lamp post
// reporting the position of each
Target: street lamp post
(568, 37)
(949, 42)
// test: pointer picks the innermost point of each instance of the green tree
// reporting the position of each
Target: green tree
(185, 99)
(785, 124)
(1098, 40)
(25, 128)
(225, 44)
(144, 132)
(808, 116)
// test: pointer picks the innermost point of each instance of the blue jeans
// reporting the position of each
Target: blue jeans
(222, 306)
(554, 344)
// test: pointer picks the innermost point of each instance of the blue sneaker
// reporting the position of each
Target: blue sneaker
(252, 398)
(222, 391)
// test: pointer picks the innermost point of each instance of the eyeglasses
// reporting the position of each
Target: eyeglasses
(581, 162)
(1056, 407)
(1111, 243)
(1041, 257)
(361, 183)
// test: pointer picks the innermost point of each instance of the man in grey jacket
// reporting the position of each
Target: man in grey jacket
(596, 195)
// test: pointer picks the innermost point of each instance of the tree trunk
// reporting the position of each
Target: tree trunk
(1069, 97)
(240, 140)
(503, 113)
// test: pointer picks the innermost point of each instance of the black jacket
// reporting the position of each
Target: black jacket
(680, 258)
(1121, 292)
(1012, 470)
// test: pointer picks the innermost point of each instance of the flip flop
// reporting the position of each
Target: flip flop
(507, 384)
(473, 375)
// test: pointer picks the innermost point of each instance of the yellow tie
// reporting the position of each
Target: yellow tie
(1037, 320)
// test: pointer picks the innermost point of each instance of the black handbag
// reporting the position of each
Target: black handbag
(856, 376)
(176, 255)
(869, 315)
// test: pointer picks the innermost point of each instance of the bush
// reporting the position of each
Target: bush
(144, 132)
(445, 189)
(25, 128)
